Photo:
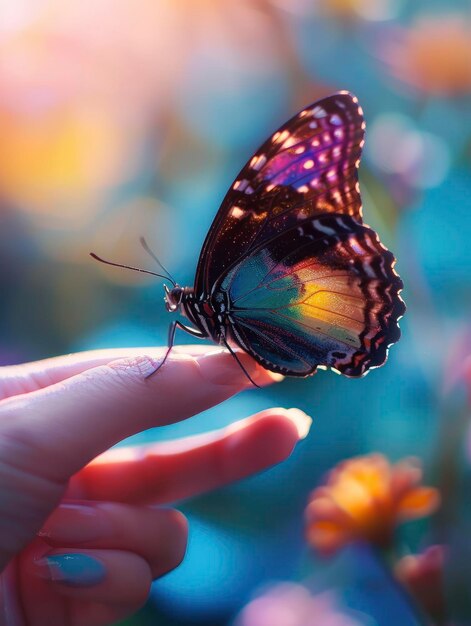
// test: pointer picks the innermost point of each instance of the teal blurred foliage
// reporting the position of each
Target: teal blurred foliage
(139, 127)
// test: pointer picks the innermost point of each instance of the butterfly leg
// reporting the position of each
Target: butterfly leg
(234, 354)
(172, 329)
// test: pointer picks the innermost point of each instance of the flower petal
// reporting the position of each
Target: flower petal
(324, 508)
(327, 537)
(418, 502)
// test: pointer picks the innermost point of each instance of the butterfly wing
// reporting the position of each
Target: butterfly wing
(307, 167)
(323, 293)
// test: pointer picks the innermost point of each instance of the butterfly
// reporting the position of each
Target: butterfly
(289, 273)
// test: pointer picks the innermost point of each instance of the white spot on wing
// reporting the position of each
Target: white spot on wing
(281, 136)
(356, 246)
(324, 229)
(258, 162)
(237, 212)
(368, 269)
(319, 112)
(291, 141)
(308, 164)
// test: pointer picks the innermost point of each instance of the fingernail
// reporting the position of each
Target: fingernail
(74, 524)
(75, 570)
(301, 420)
(276, 378)
(222, 368)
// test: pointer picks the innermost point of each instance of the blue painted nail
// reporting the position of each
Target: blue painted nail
(76, 570)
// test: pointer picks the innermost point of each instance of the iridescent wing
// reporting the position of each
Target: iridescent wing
(323, 293)
(307, 167)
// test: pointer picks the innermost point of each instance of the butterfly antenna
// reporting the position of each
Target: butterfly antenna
(145, 245)
(129, 267)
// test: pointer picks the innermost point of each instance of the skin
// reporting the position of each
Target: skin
(63, 491)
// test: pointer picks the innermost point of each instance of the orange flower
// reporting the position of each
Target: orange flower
(434, 56)
(364, 499)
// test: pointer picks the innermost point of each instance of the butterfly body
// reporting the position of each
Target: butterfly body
(208, 316)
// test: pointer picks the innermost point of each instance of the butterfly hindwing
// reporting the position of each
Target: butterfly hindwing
(307, 167)
(323, 293)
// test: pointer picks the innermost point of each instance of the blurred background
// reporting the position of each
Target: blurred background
(127, 117)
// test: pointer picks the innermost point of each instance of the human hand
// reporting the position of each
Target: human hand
(81, 537)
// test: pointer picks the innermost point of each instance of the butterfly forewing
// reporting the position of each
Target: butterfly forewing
(309, 166)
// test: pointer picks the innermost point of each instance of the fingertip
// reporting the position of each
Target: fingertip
(264, 439)
(179, 542)
(260, 375)
(294, 423)
(301, 420)
(175, 522)
(220, 367)
(179, 522)
(279, 433)
(217, 366)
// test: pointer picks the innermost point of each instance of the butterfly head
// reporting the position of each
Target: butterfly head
(173, 298)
